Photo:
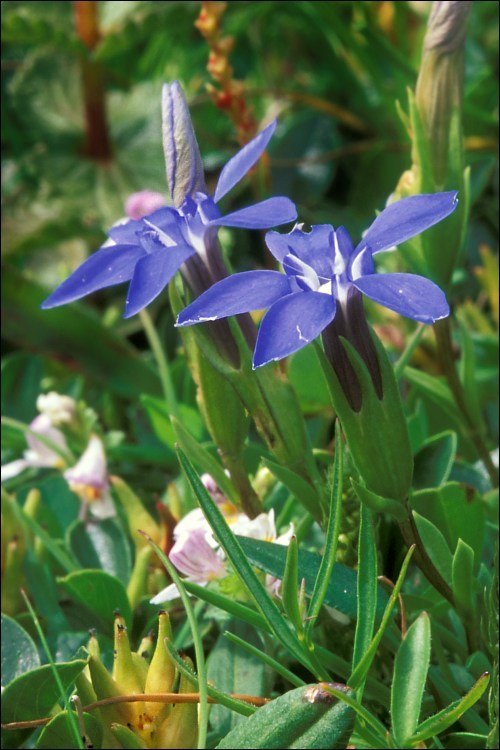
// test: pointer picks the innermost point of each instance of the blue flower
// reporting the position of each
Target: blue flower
(322, 272)
(147, 252)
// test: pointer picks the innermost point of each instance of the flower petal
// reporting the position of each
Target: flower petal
(108, 266)
(238, 166)
(291, 323)
(152, 274)
(408, 217)
(243, 292)
(314, 247)
(407, 294)
(182, 155)
(269, 213)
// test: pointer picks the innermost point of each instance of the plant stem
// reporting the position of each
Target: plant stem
(412, 537)
(162, 363)
(442, 331)
(97, 142)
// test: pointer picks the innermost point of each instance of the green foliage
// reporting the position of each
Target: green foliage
(418, 648)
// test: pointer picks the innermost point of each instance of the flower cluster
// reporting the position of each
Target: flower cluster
(147, 251)
(322, 271)
(197, 554)
(48, 449)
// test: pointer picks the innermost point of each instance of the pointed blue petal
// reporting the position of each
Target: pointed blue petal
(269, 213)
(291, 323)
(315, 247)
(407, 218)
(108, 266)
(243, 292)
(407, 294)
(238, 166)
(152, 274)
(125, 233)
(182, 155)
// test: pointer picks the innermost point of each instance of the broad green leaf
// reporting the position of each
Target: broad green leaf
(341, 591)
(367, 586)
(306, 717)
(98, 351)
(102, 545)
(233, 670)
(408, 682)
(21, 385)
(438, 723)
(434, 460)
(436, 390)
(158, 414)
(58, 734)
(464, 581)
(19, 653)
(456, 511)
(435, 545)
(99, 594)
(33, 695)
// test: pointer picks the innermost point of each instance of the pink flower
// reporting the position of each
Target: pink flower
(38, 455)
(143, 203)
(88, 478)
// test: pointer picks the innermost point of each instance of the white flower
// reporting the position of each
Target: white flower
(38, 455)
(89, 479)
(196, 552)
(60, 409)
(193, 556)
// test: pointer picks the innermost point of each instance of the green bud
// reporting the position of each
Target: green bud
(161, 672)
(137, 515)
(180, 728)
(436, 130)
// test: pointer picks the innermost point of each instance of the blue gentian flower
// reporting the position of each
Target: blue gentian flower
(148, 251)
(323, 271)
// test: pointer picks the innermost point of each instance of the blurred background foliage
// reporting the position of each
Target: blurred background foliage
(332, 72)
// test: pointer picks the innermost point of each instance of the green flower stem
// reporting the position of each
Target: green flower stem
(442, 331)
(412, 537)
(162, 363)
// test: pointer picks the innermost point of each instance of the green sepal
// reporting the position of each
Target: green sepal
(377, 435)
(377, 503)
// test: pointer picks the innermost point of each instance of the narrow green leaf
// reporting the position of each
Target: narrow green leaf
(363, 713)
(290, 586)
(324, 575)
(408, 683)
(377, 503)
(203, 459)
(367, 591)
(242, 567)
(438, 723)
(301, 489)
(436, 390)
(34, 694)
(359, 673)
(101, 545)
(463, 580)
